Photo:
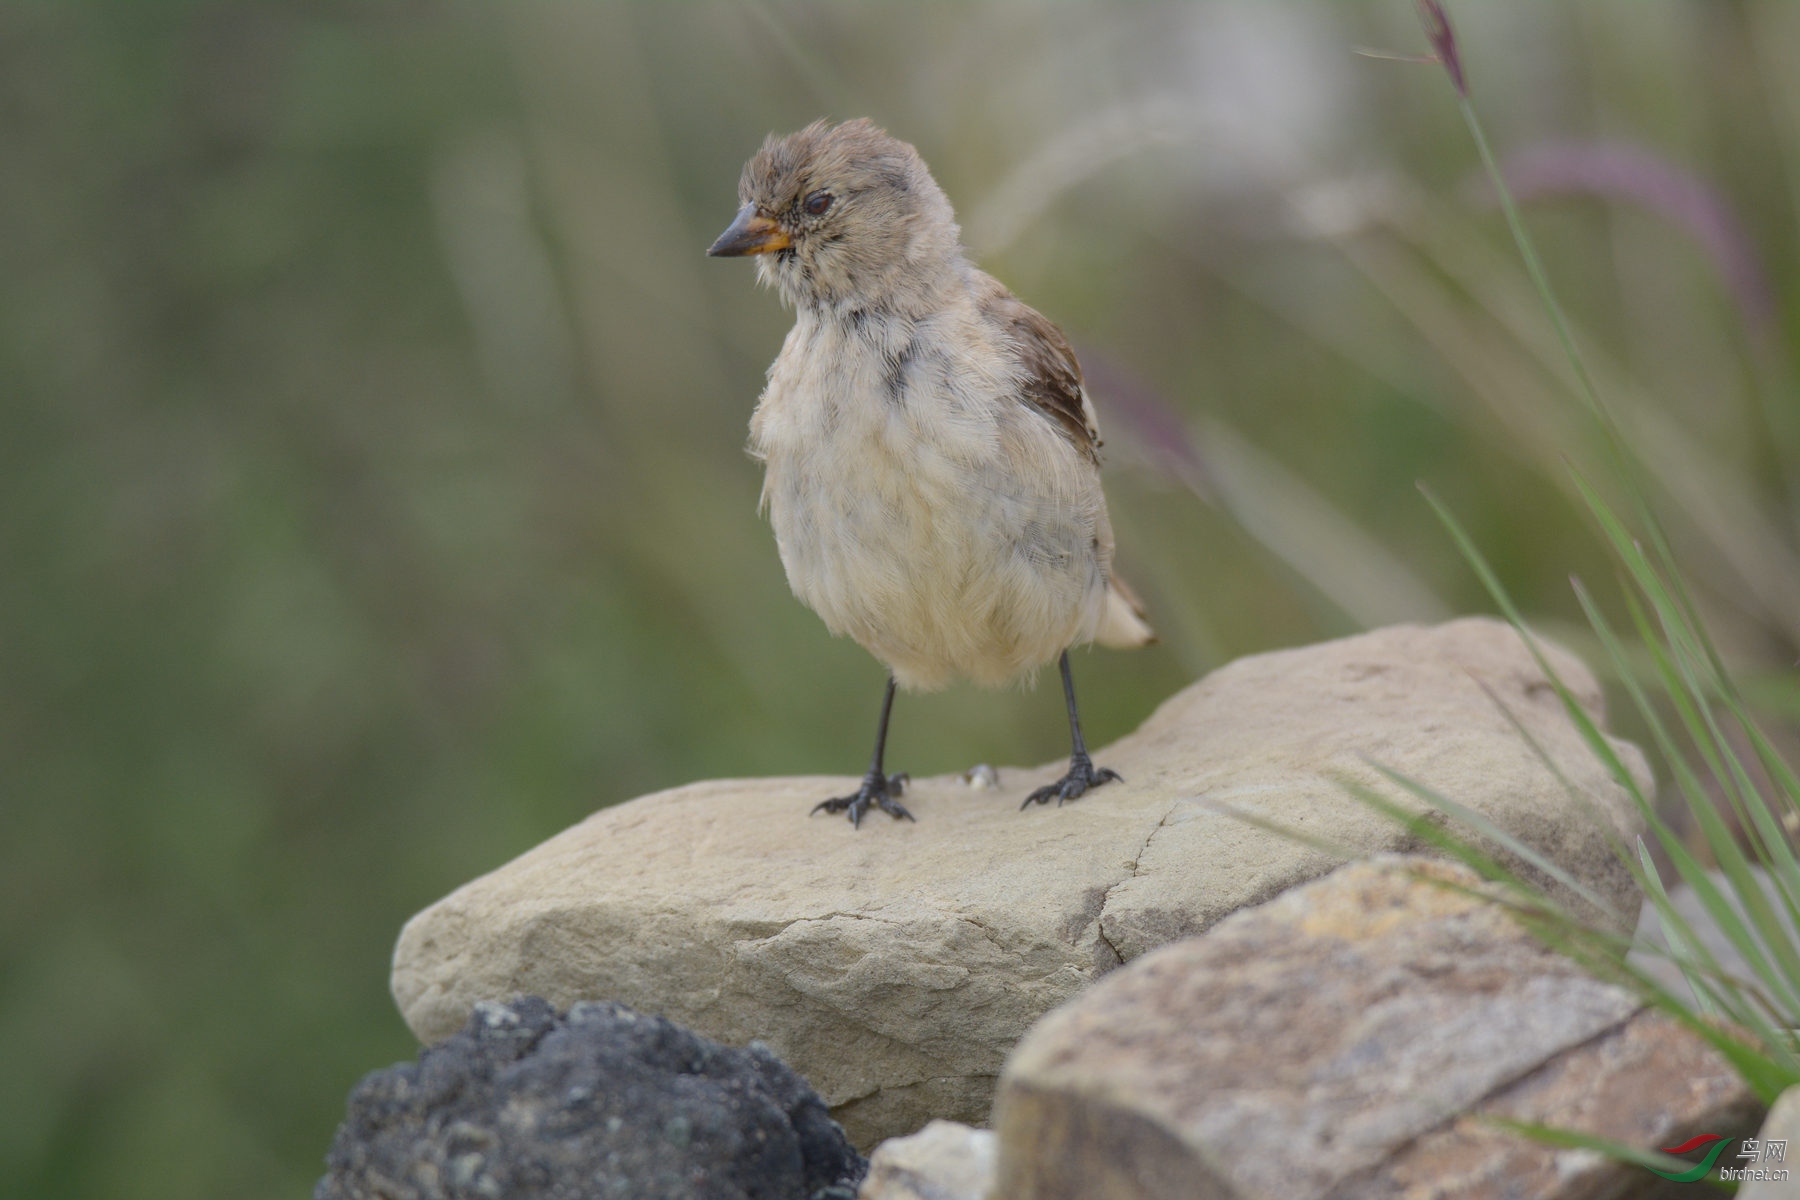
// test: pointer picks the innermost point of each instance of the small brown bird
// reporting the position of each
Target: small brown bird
(931, 460)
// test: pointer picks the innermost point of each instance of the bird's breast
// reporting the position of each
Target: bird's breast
(919, 507)
(872, 432)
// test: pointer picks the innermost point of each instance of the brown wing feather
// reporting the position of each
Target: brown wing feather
(1052, 378)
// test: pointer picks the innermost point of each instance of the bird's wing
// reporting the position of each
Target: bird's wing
(1051, 378)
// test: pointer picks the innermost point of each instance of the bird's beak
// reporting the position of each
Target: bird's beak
(749, 233)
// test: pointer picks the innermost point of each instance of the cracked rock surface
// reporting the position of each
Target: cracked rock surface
(1355, 1039)
(895, 966)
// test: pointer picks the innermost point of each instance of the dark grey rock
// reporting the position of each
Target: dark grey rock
(603, 1102)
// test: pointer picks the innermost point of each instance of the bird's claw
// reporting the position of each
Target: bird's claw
(878, 790)
(1082, 777)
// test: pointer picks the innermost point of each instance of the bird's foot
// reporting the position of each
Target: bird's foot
(1082, 776)
(877, 789)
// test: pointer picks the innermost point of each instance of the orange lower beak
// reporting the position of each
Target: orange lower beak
(749, 233)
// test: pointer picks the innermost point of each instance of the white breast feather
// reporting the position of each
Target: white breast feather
(948, 528)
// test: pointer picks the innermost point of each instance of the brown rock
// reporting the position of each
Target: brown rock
(1648, 1083)
(894, 966)
(1338, 1041)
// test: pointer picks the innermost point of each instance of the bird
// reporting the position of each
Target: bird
(931, 460)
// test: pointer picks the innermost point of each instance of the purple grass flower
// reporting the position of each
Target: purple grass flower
(1148, 420)
(1443, 42)
(1633, 175)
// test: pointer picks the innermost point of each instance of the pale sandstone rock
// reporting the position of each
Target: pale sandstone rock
(1772, 1175)
(943, 1161)
(1347, 1040)
(895, 966)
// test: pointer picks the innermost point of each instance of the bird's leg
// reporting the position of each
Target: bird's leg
(1082, 772)
(878, 788)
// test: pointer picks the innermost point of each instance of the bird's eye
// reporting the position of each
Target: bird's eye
(817, 203)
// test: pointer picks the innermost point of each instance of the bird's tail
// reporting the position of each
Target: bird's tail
(1123, 624)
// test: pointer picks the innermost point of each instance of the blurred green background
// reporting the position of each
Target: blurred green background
(372, 494)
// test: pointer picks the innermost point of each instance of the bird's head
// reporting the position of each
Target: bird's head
(842, 216)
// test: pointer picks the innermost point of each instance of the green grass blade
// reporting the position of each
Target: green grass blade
(1676, 934)
(1584, 723)
(1570, 1139)
(1311, 841)
(1780, 966)
(1694, 673)
(1473, 820)
(1780, 773)
(1718, 909)
(1778, 853)
(1576, 795)
(1625, 465)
